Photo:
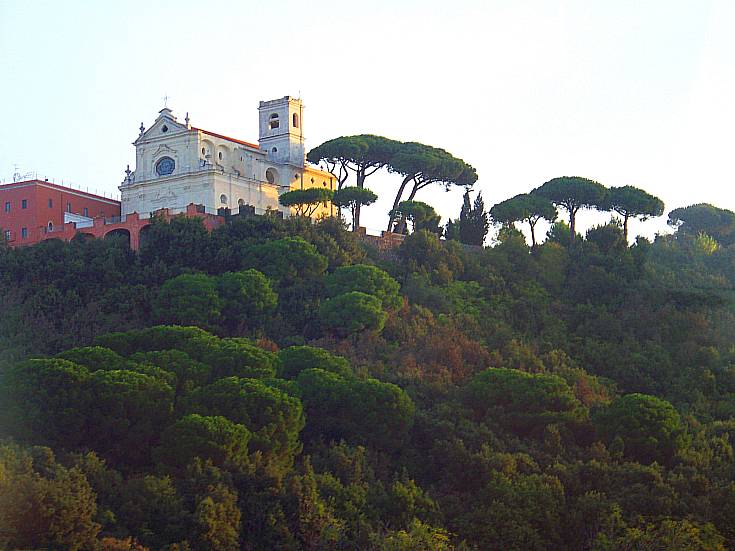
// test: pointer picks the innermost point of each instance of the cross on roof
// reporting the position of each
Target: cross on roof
(165, 101)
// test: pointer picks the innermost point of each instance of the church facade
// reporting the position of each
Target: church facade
(177, 164)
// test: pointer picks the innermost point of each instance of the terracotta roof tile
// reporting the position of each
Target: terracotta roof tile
(255, 146)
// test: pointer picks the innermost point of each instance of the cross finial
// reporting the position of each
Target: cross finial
(165, 101)
(142, 128)
(187, 118)
(128, 171)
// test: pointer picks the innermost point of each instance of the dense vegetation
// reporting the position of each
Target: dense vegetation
(276, 384)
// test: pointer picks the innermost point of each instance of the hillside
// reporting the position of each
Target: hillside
(277, 384)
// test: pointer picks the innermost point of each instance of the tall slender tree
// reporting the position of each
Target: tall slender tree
(363, 155)
(632, 202)
(524, 208)
(473, 221)
(421, 166)
(573, 193)
(420, 214)
(353, 197)
(306, 201)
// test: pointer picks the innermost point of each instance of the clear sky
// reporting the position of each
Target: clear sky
(627, 92)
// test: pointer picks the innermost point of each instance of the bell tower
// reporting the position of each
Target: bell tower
(282, 130)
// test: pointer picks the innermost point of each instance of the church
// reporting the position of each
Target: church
(179, 170)
(177, 164)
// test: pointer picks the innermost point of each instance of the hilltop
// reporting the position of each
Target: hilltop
(278, 384)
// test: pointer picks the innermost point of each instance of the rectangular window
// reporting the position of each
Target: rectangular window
(24, 233)
(8, 235)
(86, 212)
(24, 203)
(50, 203)
(68, 207)
(7, 206)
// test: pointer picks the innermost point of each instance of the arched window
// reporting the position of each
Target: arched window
(271, 175)
(295, 120)
(50, 226)
(274, 122)
(274, 150)
(219, 155)
(240, 202)
(223, 199)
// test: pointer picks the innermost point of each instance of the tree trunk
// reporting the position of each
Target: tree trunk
(391, 216)
(360, 183)
(625, 227)
(533, 233)
(572, 225)
(401, 224)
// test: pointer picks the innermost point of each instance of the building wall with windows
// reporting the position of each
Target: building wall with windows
(34, 210)
(177, 164)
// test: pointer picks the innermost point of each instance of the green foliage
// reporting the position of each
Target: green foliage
(286, 260)
(359, 411)
(524, 208)
(366, 279)
(296, 359)
(632, 202)
(364, 151)
(44, 505)
(423, 252)
(353, 198)
(94, 358)
(273, 417)
(559, 233)
(363, 155)
(705, 218)
(473, 221)
(649, 428)
(683, 535)
(224, 357)
(522, 402)
(36, 397)
(188, 299)
(246, 297)
(352, 312)
(421, 215)
(179, 438)
(215, 439)
(216, 520)
(418, 537)
(306, 201)
(163, 244)
(573, 193)
(421, 166)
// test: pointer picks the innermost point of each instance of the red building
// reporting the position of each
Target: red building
(35, 210)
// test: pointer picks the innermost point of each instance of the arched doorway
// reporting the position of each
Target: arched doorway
(120, 234)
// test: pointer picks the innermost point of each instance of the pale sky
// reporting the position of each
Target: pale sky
(625, 92)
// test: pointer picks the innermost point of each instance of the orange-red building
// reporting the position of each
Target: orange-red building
(35, 210)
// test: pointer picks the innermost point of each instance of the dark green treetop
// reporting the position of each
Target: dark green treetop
(573, 193)
(352, 198)
(306, 201)
(524, 208)
(633, 202)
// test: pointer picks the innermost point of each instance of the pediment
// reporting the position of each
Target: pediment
(156, 131)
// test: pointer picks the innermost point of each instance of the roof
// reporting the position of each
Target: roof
(36, 182)
(248, 144)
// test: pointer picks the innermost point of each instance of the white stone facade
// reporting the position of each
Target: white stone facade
(177, 164)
